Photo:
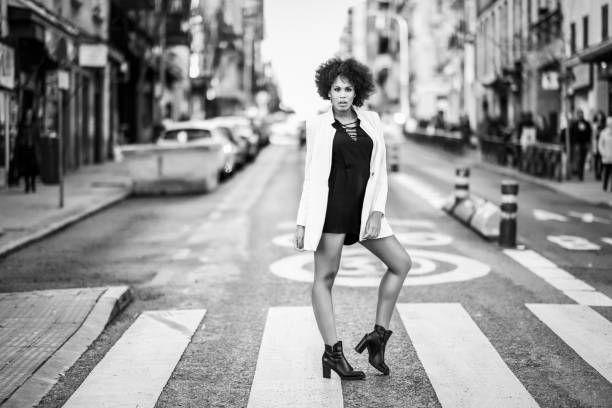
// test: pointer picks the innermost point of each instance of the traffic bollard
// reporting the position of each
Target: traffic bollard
(462, 184)
(507, 223)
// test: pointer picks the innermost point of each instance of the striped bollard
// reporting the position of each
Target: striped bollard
(509, 206)
(462, 184)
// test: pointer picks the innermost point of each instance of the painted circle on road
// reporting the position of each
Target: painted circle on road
(359, 268)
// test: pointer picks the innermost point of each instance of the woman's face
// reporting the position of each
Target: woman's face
(342, 94)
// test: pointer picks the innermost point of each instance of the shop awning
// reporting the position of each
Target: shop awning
(597, 53)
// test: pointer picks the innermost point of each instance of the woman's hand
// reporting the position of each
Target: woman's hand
(372, 228)
(298, 240)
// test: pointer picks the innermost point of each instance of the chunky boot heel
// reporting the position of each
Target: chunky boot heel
(326, 371)
(362, 344)
(333, 359)
(376, 343)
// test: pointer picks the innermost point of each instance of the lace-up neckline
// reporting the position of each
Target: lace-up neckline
(350, 128)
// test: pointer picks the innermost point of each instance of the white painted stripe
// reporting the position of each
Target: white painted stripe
(589, 298)
(181, 254)
(421, 189)
(462, 365)
(607, 240)
(583, 329)
(135, 370)
(289, 372)
(574, 288)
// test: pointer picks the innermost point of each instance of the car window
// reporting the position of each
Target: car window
(187, 135)
(227, 133)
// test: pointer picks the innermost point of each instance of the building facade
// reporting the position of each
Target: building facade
(588, 57)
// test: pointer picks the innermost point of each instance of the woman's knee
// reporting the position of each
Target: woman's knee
(325, 279)
(403, 266)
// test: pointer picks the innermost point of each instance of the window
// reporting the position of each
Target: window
(604, 22)
(585, 32)
(573, 38)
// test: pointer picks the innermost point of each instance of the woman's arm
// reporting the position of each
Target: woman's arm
(301, 215)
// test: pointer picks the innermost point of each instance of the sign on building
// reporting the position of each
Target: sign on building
(7, 66)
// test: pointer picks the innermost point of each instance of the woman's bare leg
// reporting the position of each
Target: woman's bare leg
(391, 253)
(327, 263)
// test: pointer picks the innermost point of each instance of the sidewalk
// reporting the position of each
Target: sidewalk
(588, 190)
(43, 333)
(25, 218)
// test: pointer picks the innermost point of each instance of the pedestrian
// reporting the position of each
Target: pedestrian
(599, 124)
(343, 202)
(605, 150)
(25, 151)
(580, 139)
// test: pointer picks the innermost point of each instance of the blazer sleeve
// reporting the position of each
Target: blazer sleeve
(380, 193)
(302, 209)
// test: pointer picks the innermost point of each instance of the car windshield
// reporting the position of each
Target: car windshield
(227, 134)
(186, 135)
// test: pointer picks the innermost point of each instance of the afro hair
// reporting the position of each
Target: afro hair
(354, 71)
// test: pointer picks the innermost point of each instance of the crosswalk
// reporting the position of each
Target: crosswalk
(463, 366)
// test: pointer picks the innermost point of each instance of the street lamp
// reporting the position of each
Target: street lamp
(402, 26)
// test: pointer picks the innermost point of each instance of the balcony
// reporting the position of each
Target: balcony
(546, 30)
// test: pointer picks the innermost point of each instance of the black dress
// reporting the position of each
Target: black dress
(350, 171)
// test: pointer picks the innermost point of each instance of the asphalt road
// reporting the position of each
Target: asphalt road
(229, 253)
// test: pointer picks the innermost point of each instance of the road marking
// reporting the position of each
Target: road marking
(423, 190)
(215, 215)
(588, 217)
(463, 366)
(574, 288)
(359, 268)
(607, 240)
(181, 254)
(573, 243)
(289, 372)
(543, 215)
(135, 370)
(583, 329)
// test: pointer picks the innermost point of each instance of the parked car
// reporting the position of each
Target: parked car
(242, 128)
(200, 132)
(242, 145)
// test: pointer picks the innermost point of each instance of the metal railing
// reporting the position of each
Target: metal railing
(544, 160)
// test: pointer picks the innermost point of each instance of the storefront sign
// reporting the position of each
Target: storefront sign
(582, 76)
(7, 66)
(550, 80)
(63, 80)
(93, 55)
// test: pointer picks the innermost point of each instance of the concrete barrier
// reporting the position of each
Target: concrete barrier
(182, 169)
(478, 214)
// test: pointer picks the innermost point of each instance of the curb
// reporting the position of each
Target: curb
(59, 225)
(535, 180)
(108, 306)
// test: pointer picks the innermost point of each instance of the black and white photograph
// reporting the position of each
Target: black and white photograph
(305, 203)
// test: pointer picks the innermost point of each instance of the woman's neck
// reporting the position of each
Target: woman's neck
(346, 115)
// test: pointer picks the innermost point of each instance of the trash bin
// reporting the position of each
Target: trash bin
(48, 165)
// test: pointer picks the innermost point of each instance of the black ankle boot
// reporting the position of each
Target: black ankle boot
(333, 359)
(376, 342)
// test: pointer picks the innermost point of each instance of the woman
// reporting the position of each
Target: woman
(343, 202)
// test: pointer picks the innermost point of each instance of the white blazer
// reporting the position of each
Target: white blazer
(313, 202)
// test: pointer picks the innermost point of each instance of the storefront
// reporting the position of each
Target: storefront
(7, 111)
